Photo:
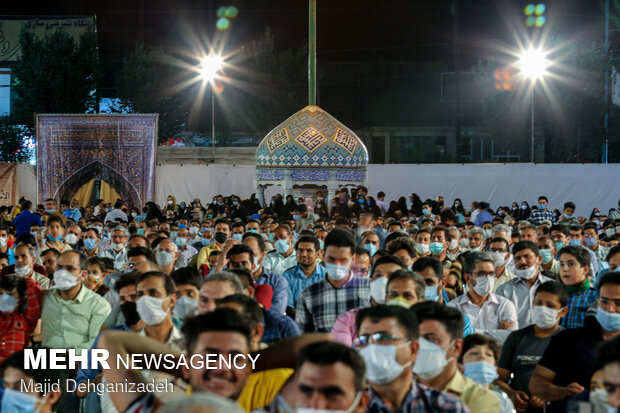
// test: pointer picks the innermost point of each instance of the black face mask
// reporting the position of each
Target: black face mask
(220, 237)
(130, 313)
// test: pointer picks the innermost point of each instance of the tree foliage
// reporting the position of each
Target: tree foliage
(145, 84)
(55, 74)
(12, 141)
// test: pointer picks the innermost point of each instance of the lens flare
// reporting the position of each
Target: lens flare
(533, 63)
(231, 12)
(529, 9)
(222, 23)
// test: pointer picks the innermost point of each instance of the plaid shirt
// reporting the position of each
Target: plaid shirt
(539, 216)
(16, 327)
(578, 304)
(321, 303)
(420, 399)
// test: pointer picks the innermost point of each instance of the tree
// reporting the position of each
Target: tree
(12, 147)
(55, 74)
(145, 84)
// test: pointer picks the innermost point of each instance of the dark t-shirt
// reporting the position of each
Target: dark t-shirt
(521, 352)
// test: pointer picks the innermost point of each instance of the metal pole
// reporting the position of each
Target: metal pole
(312, 53)
(212, 123)
(532, 125)
(606, 118)
(457, 81)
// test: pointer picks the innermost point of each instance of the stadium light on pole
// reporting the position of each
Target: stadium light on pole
(533, 64)
(211, 66)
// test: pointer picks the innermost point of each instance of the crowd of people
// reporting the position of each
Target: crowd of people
(352, 304)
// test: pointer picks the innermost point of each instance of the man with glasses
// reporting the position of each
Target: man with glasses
(117, 250)
(72, 315)
(388, 342)
(491, 315)
(570, 360)
(499, 250)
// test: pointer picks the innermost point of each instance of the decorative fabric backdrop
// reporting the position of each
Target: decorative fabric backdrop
(8, 184)
(74, 149)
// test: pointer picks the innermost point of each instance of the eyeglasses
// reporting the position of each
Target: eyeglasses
(497, 250)
(608, 301)
(376, 338)
(484, 274)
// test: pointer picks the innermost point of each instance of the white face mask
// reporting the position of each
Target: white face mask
(193, 230)
(349, 410)
(544, 317)
(71, 239)
(3, 242)
(499, 258)
(185, 307)
(475, 248)
(484, 285)
(422, 248)
(463, 242)
(23, 271)
(454, 244)
(117, 247)
(377, 289)
(381, 364)
(431, 360)
(337, 272)
(151, 310)
(64, 280)
(164, 258)
(8, 303)
(527, 273)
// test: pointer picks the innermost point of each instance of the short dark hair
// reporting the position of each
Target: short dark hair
(450, 317)
(187, 275)
(445, 230)
(474, 258)
(580, 254)
(407, 319)
(556, 288)
(525, 245)
(52, 250)
(139, 251)
(480, 340)
(168, 283)
(608, 278)
(329, 352)
(81, 257)
(561, 228)
(239, 249)
(126, 278)
(613, 251)
(362, 251)
(402, 243)
(309, 238)
(244, 275)
(422, 263)
(405, 274)
(570, 205)
(388, 259)
(340, 238)
(608, 352)
(222, 221)
(103, 263)
(502, 240)
(542, 197)
(250, 307)
(259, 240)
(14, 282)
(27, 239)
(222, 319)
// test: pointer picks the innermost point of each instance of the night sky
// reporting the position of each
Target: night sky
(354, 30)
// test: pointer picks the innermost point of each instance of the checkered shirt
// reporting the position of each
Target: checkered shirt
(578, 304)
(420, 399)
(539, 216)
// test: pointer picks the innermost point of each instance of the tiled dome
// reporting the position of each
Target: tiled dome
(311, 145)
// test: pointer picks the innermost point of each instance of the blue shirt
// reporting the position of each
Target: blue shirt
(280, 290)
(73, 214)
(484, 216)
(24, 221)
(278, 327)
(297, 281)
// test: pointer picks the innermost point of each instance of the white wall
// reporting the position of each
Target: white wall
(589, 185)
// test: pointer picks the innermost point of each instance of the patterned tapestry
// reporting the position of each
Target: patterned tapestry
(119, 149)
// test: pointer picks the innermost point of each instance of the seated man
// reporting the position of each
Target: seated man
(441, 342)
(388, 343)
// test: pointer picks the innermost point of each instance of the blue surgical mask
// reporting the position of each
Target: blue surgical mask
(575, 242)
(590, 241)
(481, 372)
(430, 293)
(282, 246)
(436, 247)
(140, 231)
(205, 241)
(542, 207)
(372, 248)
(238, 237)
(181, 242)
(253, 231)
(17, 401)
(321, 243)
(609, 321)
(546, 255)
(337, 272)
(8, 303)
(235, 203)
(55, 239)
(295, 217)
(559, 245)
(90, 244)
(426, 211)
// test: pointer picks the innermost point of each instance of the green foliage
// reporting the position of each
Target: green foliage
(55, 74)
(145, 85)
(12, 141)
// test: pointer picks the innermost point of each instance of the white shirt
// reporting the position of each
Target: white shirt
(485, 320)
(115, 213)
(120, 258)
(522, 296)
(278, 263)
(383, 206)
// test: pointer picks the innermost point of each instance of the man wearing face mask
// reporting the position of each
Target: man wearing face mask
(166, 254)
(520, 290)
(222, 232)
(388, 343)
(24, 266)
(524, 348)
(543, 212)
(187, 281)
(320, 304)
(404, 248)
(440, 344)
(500, 251)
(344, 330)
(88, 309)
(490, 314)
(609, 359)
(183, 242)
(283, 256)
(570, 359)
(117, 250)
(367, 223)
(548, 251)
(305, 218)
(74, 236)
(330, 379)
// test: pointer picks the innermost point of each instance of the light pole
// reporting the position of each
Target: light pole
(533, 64)
(210, 70)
